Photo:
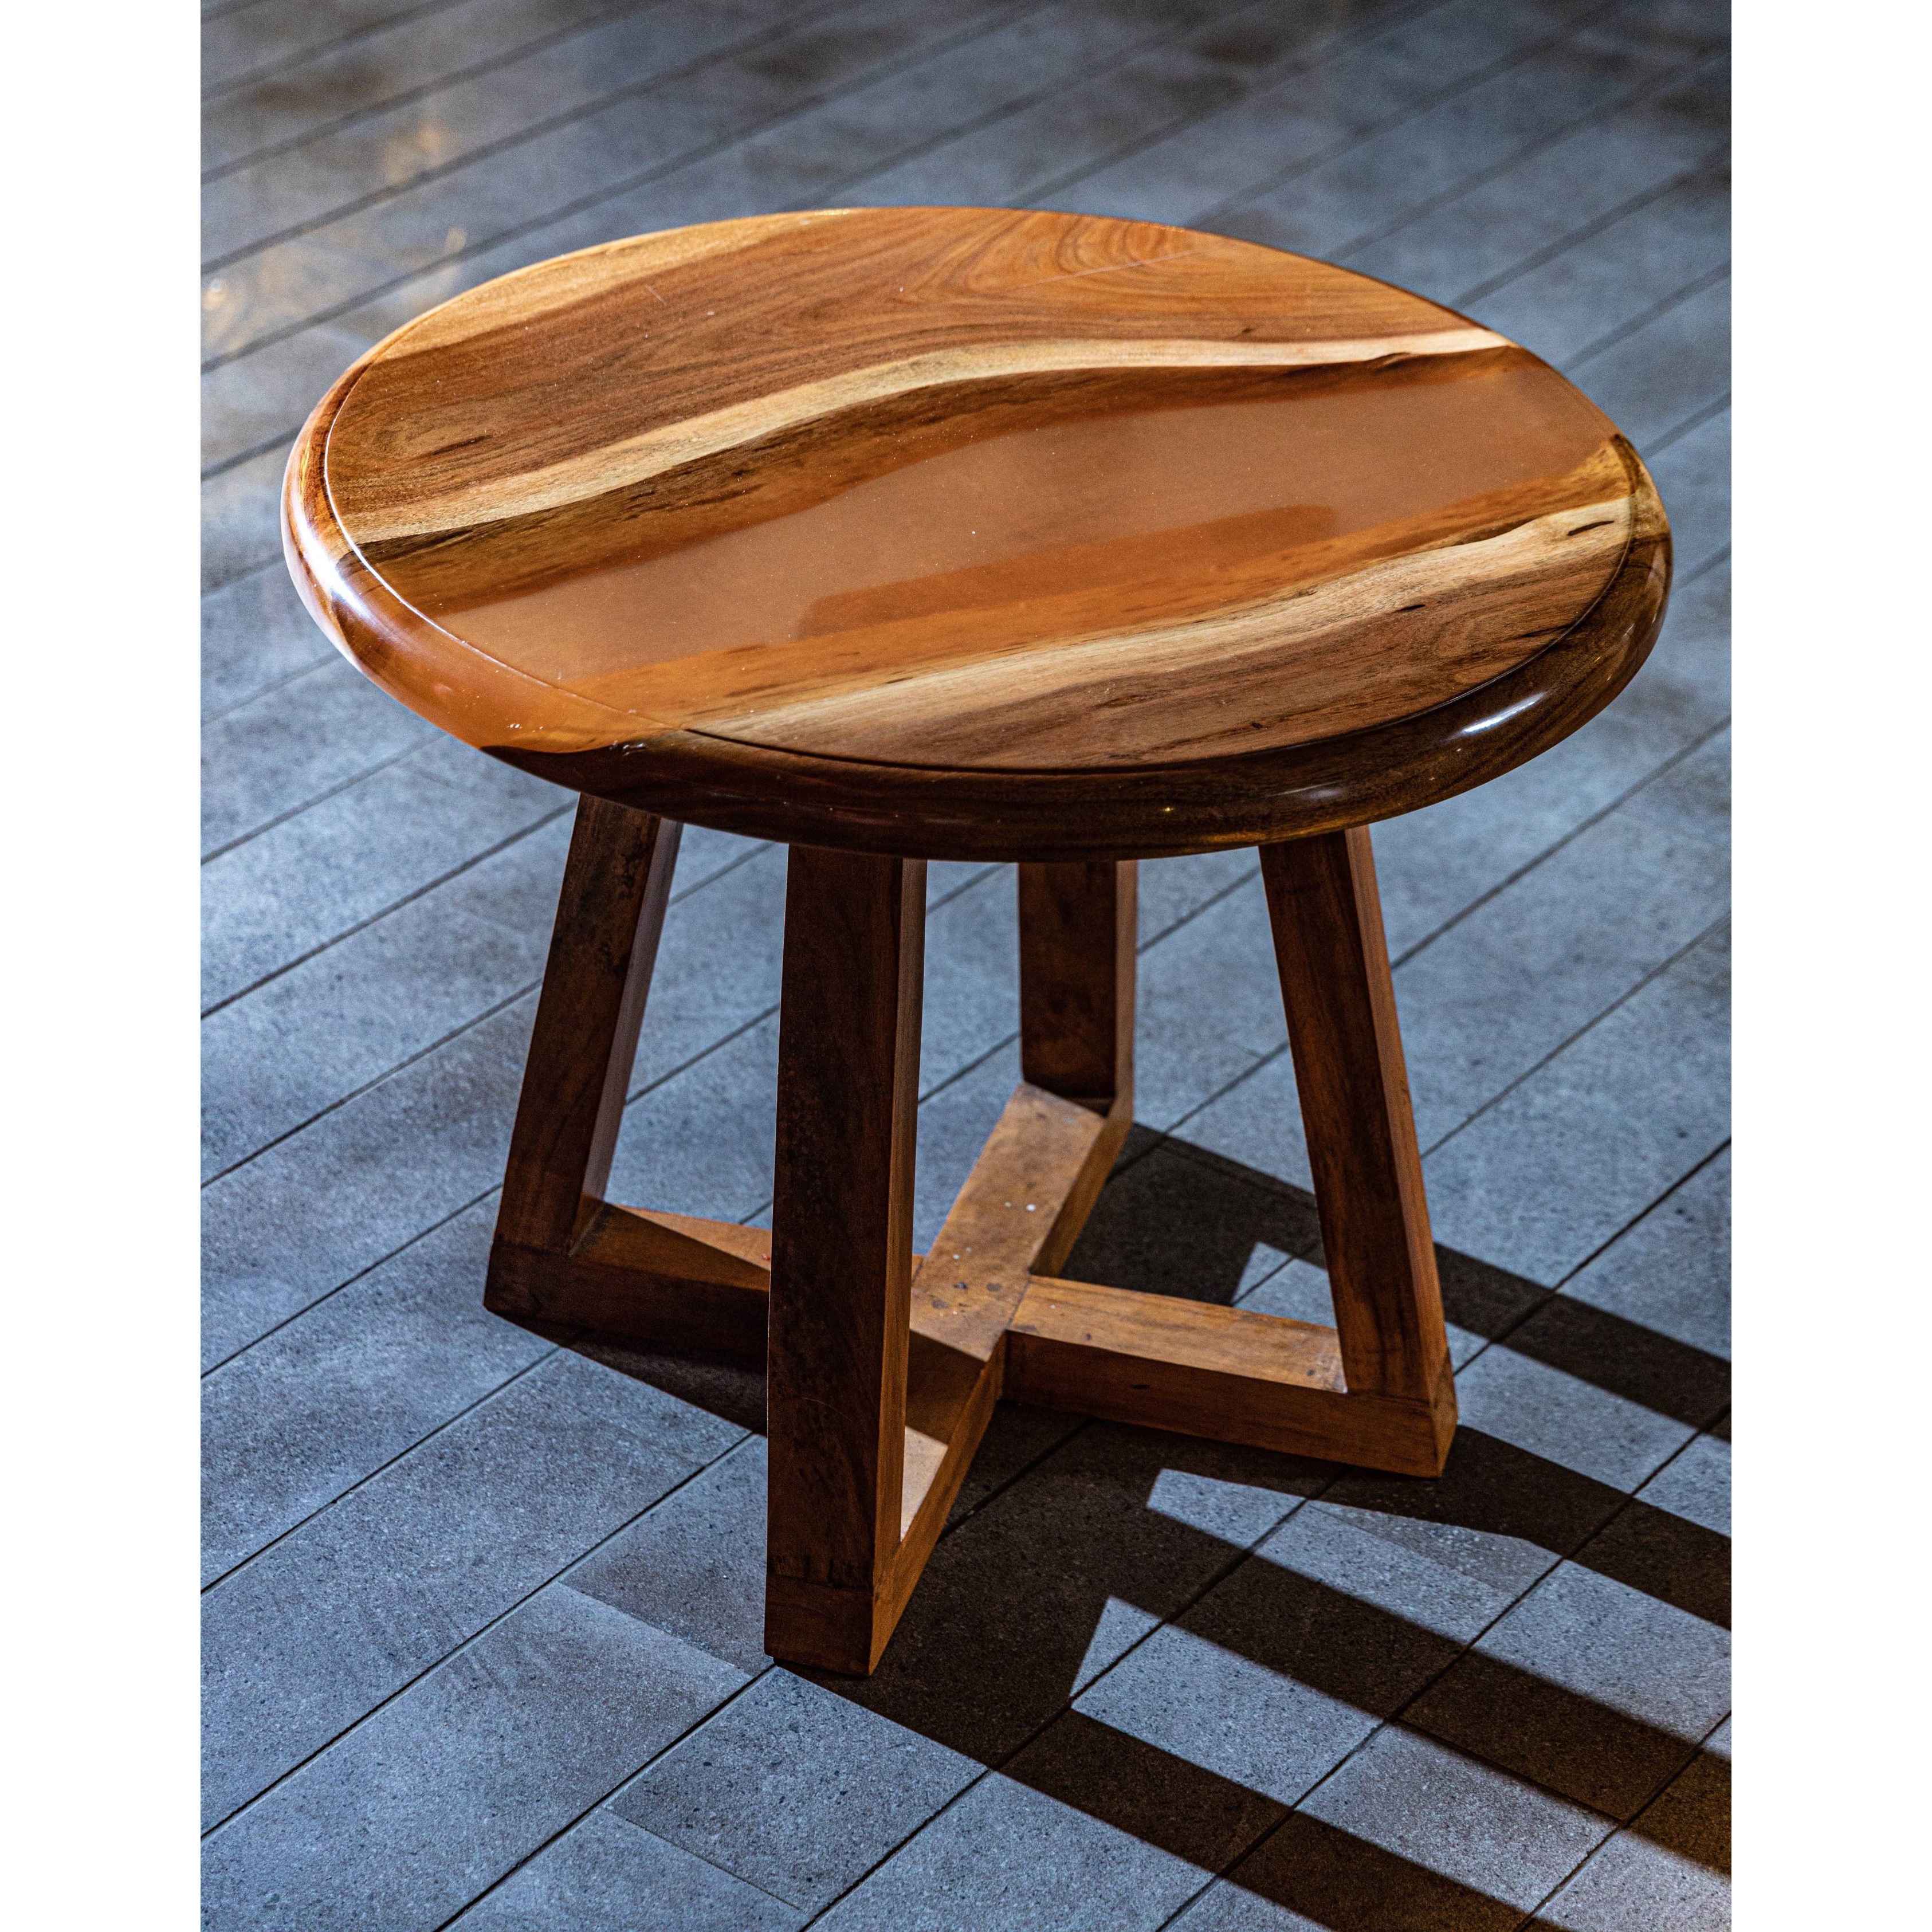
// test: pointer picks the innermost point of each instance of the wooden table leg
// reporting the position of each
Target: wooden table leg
(842, 1252)
(1334, 960)
(609, 914)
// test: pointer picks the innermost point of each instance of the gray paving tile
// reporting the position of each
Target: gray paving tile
(1583, 1344)
(276, 1058)
(1288, 1663)
(1363, 191)
(702, 1144)
(1672, 1542)
(1497, 1515)
(795, 1789)
(1357, 69)
(280, 286)
(289, 1425)
(1693, 796)
(341, 1614)
(443, 1790)
(1569, 1158)
(1407, 1837)
(262, 398)
(240, 530)
(310, 879)
(953, 1125)
(1521, 975)
(1479, 1302)
(1658, 374)
(1696, 1486)
(1007, 1858)
(275, 754)
(1560, 308)
(1018, 1436)
(1080, 125)
(1672, 1867)
(1166, 1224)
(972, 977)
(393, 146)
(1433, 863)
(604, 1875)
(1172, 890)
(367, 73)
(1566, 1419)
(1693, 475)
(254, 633)
(1028, 1599)
(1164, 1800)
(1587, 1687)
(1547, 200)
(246, 41)
(1671, 1273)
(695, 1565)
(345, 1192)
(1209, 1006)
(1504, 988)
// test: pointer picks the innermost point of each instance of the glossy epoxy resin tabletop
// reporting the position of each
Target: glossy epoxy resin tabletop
(977, 532)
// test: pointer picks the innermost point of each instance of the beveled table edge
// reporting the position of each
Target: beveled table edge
(1153, 811)
(1004, 814)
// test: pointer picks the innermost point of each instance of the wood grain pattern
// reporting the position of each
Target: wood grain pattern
(1077, 927)
(1228, 1373)
(1326, 913)
(841, 1251)
(976, 532)
(603, 946)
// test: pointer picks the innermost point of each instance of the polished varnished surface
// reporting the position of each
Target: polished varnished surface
(977, 531)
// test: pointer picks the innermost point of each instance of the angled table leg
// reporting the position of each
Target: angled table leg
(1333, 959)
(842, 1252)
(616, 883)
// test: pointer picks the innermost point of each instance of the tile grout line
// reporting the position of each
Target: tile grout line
(619, 9)
(1542, 257)
(1169, 1135)
(1004, 16)
(1692, 423)
(1502, 65)
(690, 1730)
(408, 898)
(1596, 818)
(489, 1395)
(1533, 1916)
(234, 845)
(477, 1019)
(1341, 45)
(489, 151)
(1238, 1554)
(1569, 1556)
(274, 67)
(1641, 93)
(1696, 286)
(482, 1630)
(1656, 973)
(319, 662)
(1281, 74)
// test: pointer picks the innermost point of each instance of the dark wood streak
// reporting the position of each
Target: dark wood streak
(1120, 689)
(1154, 812)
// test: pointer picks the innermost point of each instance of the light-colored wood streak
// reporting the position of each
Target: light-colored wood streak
(633, 459)
(975, 492)
(1398, 636)
(1019, 1210)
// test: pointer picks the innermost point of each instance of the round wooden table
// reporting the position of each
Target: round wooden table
(898, 534)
